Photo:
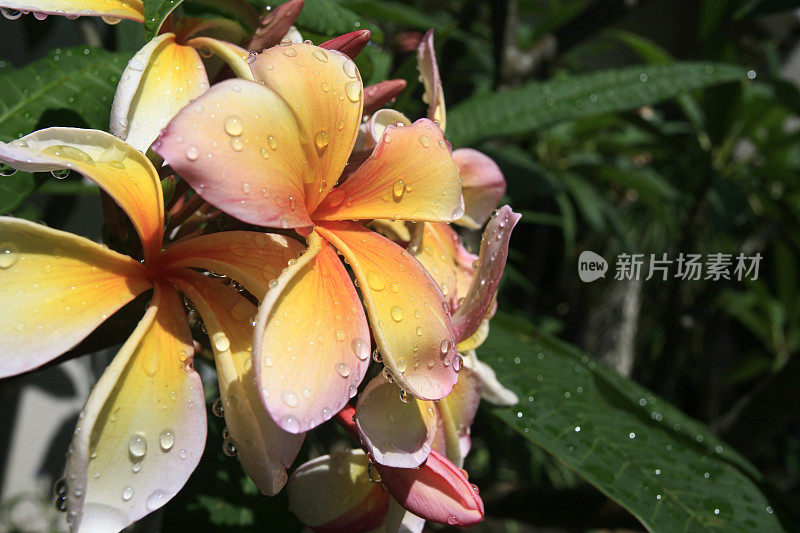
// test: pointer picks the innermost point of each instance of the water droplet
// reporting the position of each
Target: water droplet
(136, 467)
(353, 90)
(237, 144)
(264, 153)
(156, 500)
(321, 140)
(289, 52)
(11, 14)
(424, 141)
(245, 187)
(343, 369)
(127, 493)
(192, 153)
(397, 314)
(361, 349)
(398, 189)
(402, 365)
(111, 21)
(444, 346)
(376, 356)
(167, 440)
(387, 375)
(405, 396)
(290, 398)
(8, 255)
(221, 342)
(233, 126)
(217, 408)
(272, 142)
(349, 69)
(137, 446)
(320, 54)
(290, 423)
(457, 362)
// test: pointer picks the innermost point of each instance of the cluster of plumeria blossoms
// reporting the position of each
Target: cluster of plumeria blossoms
(293, 142)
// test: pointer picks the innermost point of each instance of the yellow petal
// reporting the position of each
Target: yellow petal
(234, 56)
(55, 289)
(122, 171)
(410, 175)
(110, 9)
(324, 90)
(264, 450)
(143, 429)
(457, 412)
(311, 344)
(253, 259)
(410, 323)
(159, 80)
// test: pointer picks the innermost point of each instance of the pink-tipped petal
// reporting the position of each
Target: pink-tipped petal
(482, 185)
(350, 44)
(237, 146)
(275, 25)
(395, 432)
(378, 95)
(437, 491)
(264, 450)
(311, 345)
(143, 429)
(491, 263)
(429, 75)
(410, 175)
(333, 494)
(407, 312)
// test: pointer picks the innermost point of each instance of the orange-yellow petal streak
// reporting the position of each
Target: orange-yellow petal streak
(55, 289)
(125, 9)
(407, 312)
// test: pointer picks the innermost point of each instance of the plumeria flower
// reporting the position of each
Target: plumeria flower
(143, 428)
(346, 492)
(271, 153)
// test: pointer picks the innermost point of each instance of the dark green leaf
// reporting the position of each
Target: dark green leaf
(662, 466)
(155, 12)
(329, 18)
(72, 87)
(525, 109)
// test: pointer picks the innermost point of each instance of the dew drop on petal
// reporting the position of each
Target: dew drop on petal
(8, 255)
(290, 423)
(156, 500)
(320, 55)
(444, 346)
(397, 314)
(321, 139)
(343, 369)
(290, 398)
(166, 440)
(192, 153)
(353, 90)
(349, 69)
(424, 141)
(127, 493)
(375, 281)
(137, 446)
(361, 349)
(233, 126)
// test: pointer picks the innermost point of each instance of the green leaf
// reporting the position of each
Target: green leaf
(662, 466)
(71, 87)
(155, 12)
(528, 108)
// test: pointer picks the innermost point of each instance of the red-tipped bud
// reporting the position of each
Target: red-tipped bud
(350, 44)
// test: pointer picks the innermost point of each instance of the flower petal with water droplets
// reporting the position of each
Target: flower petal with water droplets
(264, 450)
(491, 263)
(323, 88)
(143, 429)
(333, 493)
(237, 146)
(396, 433)
(253, 259)
(112, 9)
(234, 56)
(410, 175)
(158, 81)
(122, 171)
(429, 75)
(407, 313)
(55, 289)
(482, 185)
(311, 344)
(437, 491)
